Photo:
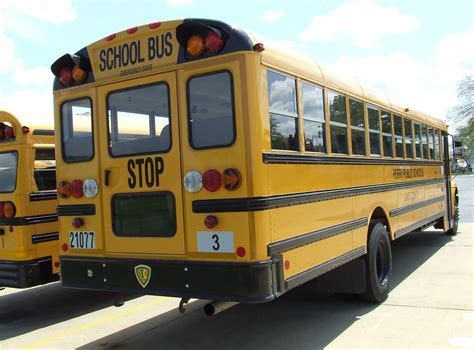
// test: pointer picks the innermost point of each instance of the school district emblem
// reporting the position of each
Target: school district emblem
(143, 274)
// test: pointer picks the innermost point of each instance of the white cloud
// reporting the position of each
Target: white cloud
(33, 76)
(31, 106)
(273, 16)
(52, 11)
(176, 3)
(429, 86)
(361, 21)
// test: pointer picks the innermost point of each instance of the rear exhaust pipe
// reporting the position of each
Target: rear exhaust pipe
(217, 307)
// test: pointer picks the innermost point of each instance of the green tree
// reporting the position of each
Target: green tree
(462, 115)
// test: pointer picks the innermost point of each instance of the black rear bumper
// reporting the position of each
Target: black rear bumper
(24, 274)
(243, 282)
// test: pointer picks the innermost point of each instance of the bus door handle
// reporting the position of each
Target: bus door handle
(107, 176)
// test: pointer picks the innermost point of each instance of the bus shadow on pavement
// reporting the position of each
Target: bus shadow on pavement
(30, 309)
(299, 319)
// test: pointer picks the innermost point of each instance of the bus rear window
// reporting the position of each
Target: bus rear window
(8, 170)
(144, 214)
(76, 131)
(211, 110)
(139, 120)
(45, 169)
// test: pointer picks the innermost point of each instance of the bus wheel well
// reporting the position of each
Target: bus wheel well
(379, 217)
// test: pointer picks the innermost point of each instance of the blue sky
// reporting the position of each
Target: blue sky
(413, 51)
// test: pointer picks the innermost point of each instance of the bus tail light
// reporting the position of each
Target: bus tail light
(196, 45)
(71, 68)
(77, 190)
(64, 189)
(212, 180)
(231, 179)
(197, 37)
(8, 210)
(214, 42)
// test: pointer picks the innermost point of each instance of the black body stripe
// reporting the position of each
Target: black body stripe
(43, 196)
(411, 207)
(273, 158)
(311, 237)
(418, 224)
(277, 201)
(320, 269)
(28, 220)
(73, 210)
(43, 132)
(45, 237)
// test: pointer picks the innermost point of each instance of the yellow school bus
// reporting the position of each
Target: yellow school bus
(29, 238)
(196, 161)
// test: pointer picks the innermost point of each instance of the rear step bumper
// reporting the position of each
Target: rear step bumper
(243, 282)
(23, 274)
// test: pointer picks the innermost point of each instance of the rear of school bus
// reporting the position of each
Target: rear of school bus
(29, 250)
(159, 147)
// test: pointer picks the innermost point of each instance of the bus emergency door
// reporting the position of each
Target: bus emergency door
(140, 166)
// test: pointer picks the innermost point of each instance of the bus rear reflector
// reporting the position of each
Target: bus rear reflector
(212, 180)
(211, 221)
(241, 252)
(77, 222)
(64, 189)
(65, 247)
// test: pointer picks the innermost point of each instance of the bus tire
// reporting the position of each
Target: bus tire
(378, 266)
(454, 230)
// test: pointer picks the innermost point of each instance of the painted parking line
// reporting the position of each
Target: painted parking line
(61, 335)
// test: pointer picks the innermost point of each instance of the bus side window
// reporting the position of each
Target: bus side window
(45, 169)
(431, 143)
(313, 118)
(283, 111)
(386, 118)
(437, 143)
(417, 128)
(374, 130)
(398, 129)
(356, 109)
(424, 140)
(338, 122)
(408, 138)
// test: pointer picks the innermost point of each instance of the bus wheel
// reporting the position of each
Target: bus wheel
(454, 230)
(378, 266)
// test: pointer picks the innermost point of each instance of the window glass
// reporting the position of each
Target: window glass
(374, 130)
(283, 112)
(313, 116)
(338, 122)
(408, 138)
(398, 129)
(356, 109)
(424, 140)
(45, 169)
(437, 145)
(431, 142)
(144, 214)
(417, 128)
(8, 171)
(281, 94)
(339, 139)
(211, 110)
(139, 120)
(337, 107)
(76, 131)
(386, 118)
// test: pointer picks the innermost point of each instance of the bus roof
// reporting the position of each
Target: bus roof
(158, 46)
(41, 129)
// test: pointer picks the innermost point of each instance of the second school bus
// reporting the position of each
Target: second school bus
(195, 161)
